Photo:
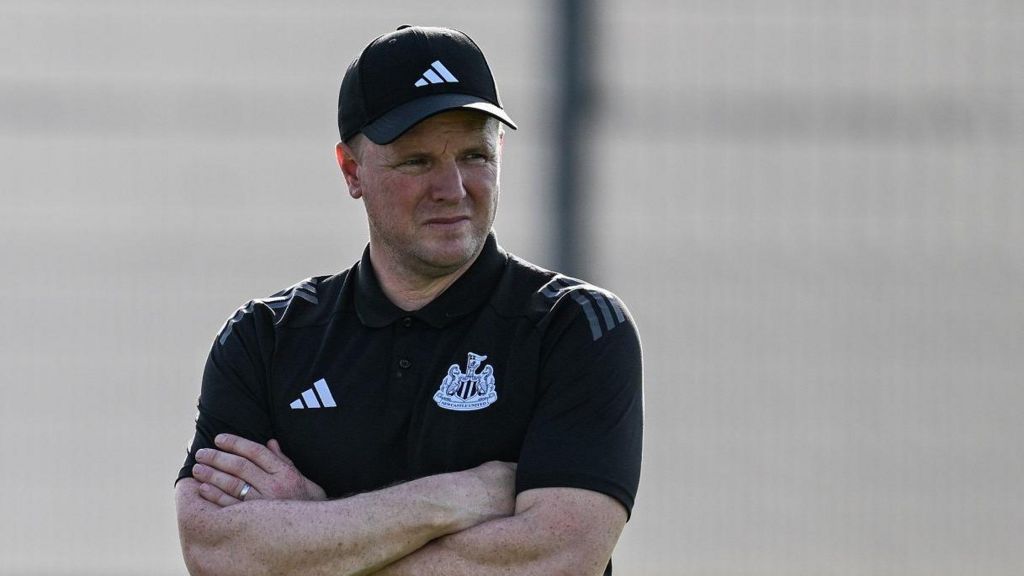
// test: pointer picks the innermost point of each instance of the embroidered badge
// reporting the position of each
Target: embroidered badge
(470, 390)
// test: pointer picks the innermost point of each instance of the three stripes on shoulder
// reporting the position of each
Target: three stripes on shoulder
(603, 310)
(306, 290)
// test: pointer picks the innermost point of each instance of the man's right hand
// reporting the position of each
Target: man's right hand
(270, 474)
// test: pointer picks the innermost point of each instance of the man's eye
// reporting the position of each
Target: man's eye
(414, 162)
(477, 157)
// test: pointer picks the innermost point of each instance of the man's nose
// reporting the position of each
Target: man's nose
(447, 182)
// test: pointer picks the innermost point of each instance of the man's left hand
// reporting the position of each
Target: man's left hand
(225, 471)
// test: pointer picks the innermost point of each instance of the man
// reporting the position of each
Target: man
(442, 407)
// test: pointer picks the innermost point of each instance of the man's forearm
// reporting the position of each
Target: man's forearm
(498, 547)
(563, 531)
(355, 535)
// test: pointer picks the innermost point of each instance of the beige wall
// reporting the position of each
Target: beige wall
(812, 209)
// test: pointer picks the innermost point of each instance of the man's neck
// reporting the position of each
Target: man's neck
(408, 289)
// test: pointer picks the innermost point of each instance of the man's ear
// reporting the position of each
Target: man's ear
(349, 168)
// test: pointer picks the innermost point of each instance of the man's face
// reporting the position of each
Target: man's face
(431, 195)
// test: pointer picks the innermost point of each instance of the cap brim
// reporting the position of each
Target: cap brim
(390, 126)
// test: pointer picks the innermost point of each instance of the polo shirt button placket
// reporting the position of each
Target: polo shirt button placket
(405, 339)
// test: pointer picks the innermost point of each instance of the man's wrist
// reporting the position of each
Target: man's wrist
(446, 496)
(478, 494)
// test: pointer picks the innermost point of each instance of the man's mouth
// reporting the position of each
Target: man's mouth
(447, 221)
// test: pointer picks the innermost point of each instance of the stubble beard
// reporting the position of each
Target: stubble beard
(427, 257)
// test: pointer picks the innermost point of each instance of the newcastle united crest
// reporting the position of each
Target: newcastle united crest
(469, 390)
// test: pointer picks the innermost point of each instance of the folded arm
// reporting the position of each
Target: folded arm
(554, 531)
(355, 535)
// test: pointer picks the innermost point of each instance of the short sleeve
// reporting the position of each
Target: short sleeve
(587, 429)
(233, 397)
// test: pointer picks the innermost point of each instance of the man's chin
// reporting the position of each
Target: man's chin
(451, 254)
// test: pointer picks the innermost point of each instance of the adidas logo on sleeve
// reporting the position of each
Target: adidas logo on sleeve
(319, 396)
(436, 74)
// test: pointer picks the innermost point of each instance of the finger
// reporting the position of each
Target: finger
(252, 451)
(213, 494)
(237, 466)
(275, 447)
(230, 485)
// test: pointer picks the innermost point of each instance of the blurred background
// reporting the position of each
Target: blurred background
(813, 209)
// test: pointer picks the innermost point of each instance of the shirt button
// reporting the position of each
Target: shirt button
(404, 364)
(407, 321)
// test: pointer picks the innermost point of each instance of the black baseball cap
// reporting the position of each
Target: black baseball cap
(408, 75)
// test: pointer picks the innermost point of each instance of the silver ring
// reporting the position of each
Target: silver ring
(245, 490)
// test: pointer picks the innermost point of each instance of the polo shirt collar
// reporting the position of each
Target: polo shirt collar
(465, 295)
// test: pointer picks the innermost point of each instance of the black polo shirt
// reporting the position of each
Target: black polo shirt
(511, 362)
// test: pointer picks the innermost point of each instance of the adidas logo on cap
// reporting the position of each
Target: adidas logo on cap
(431, 76)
